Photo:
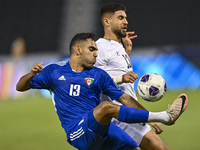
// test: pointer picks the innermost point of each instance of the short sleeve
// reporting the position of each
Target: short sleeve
(42, 79)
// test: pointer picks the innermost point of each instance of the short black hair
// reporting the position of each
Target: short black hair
(81, 37)
(111, 8)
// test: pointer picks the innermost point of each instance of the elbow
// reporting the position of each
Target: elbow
(18, 88)
(127, 100)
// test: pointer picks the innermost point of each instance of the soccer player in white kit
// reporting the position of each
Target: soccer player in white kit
(114, 59)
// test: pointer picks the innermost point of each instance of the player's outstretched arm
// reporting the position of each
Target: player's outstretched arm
(24, 81)
(129, 101)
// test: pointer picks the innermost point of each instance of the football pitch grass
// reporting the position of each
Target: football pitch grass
(31, 123)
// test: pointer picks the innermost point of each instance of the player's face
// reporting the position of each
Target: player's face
(119, 23)
(89, 54)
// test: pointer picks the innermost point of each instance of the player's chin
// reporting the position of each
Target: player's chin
(123, 34)
(89, 66)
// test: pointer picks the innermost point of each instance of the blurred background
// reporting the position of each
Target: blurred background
(168, 42)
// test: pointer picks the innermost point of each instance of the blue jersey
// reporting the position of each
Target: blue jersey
(75, 93)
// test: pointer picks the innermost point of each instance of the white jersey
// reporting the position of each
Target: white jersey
(115, 61)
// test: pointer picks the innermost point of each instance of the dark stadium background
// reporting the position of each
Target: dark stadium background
(156, 22)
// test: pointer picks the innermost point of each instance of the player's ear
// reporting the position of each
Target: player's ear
(78, 50)
(106, 21)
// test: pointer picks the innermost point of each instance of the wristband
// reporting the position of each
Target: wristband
(118, 80)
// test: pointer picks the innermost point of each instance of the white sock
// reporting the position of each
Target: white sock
(162, 117)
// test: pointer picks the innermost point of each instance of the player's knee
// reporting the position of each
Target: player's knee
(107, 107)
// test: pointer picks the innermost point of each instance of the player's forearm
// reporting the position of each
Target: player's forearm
(129, 101)
(24, 82)
(128, 50)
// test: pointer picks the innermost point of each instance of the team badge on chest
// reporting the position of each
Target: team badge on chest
(89, 81)
(117, 53)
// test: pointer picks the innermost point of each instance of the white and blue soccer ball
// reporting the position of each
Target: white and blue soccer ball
(151, 87)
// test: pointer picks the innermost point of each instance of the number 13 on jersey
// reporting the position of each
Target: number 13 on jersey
(74, 90)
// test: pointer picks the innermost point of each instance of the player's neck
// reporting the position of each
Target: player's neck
(75, 66)
(112, 37)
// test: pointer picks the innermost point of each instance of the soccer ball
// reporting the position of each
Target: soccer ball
(151, 87)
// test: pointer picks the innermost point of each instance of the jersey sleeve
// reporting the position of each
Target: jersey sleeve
(110, 88)
(42, 79)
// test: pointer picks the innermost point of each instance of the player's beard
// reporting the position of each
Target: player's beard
(88, 67)
(119, 33)
(89, 64)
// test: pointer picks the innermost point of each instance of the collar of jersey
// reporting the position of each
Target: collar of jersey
(69, 67)
(112, 41)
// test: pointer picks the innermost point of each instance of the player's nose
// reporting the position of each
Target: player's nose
(125, 21)
(95, 54)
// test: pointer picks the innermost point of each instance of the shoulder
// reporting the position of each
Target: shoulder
(104, 49)
(56, 65)
(103, 44)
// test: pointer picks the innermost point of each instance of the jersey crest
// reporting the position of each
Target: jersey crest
(117, 53)
(89, 81)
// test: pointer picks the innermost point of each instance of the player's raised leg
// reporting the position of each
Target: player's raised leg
(106, 110)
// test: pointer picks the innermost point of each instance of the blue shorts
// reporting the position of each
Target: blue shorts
(91, 135)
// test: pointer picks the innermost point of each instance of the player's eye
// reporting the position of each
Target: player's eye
(121, 17)
(92, 49)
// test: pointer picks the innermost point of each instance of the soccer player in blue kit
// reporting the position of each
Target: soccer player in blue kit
(76, 87)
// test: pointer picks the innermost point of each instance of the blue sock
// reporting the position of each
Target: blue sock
(132, 115)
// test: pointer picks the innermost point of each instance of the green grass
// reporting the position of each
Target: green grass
(31, 123)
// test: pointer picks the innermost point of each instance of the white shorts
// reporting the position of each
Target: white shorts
(134, 130)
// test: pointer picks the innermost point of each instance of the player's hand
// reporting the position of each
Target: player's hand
(129, 77)
(127, 41)
(157, 126)
(36, 68)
